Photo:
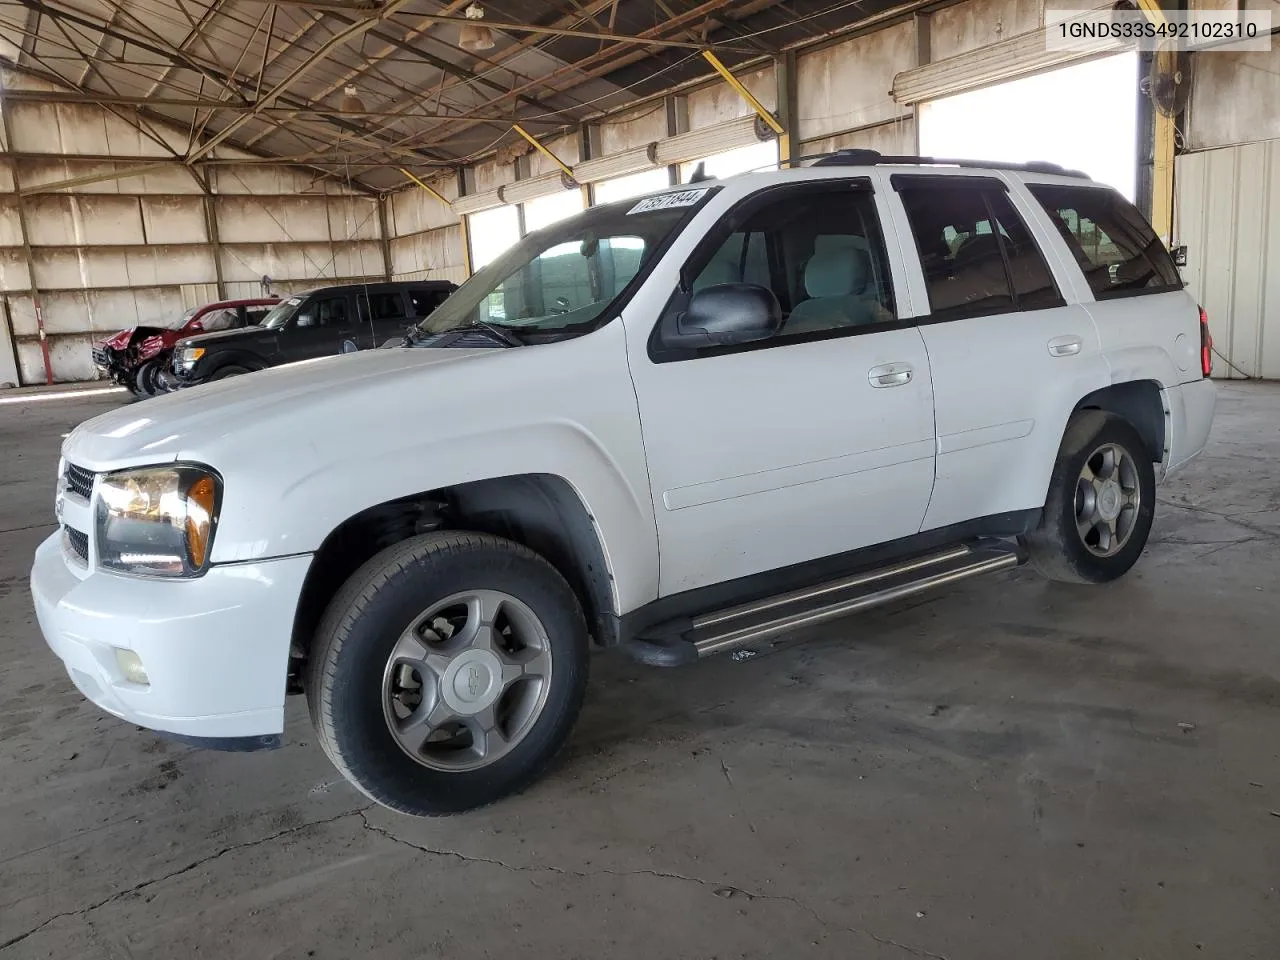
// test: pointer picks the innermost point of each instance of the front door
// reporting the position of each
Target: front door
(318, 329)
(814, 442)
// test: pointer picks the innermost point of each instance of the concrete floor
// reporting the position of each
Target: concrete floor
(1010, 768)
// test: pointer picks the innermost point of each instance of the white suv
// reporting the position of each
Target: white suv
(675, 425)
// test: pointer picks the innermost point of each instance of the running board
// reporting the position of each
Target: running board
(766, 619)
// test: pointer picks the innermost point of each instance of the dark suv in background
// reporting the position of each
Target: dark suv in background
(309, 325)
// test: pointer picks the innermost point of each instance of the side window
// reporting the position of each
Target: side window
(323, 313)
(388, 305)
(1117, 250)
(381, 305)
(218, 320)
(977, 255)
(424, 301)
(820, 251)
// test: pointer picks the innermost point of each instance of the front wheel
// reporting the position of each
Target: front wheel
(447, 672)
(145, 379)
(230, 370)
(1101, 502)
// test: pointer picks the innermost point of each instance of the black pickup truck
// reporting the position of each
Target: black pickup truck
(308, 325)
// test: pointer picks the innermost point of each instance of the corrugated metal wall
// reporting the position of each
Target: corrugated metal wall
(1227, 208)
(427, 240)
(138, 250)
(1228, 215)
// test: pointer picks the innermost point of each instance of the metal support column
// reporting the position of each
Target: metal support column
(784, 69)
(211, 228)
(924, 55)
(384, 236)
(1162, 153)
(21, 204)
(677, 123)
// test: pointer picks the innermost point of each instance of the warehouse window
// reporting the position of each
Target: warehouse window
(492, 233)
(977, 255)
(633, 185)
(756, 156)
(545, 211)
(1117, 250)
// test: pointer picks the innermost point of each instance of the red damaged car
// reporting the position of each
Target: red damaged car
(134, 358)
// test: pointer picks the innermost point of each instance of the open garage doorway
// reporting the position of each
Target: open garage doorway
(1084, 117)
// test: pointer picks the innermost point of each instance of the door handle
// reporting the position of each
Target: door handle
(889, 375)
(1067, 346)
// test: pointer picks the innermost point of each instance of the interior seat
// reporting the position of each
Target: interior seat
(835, 280)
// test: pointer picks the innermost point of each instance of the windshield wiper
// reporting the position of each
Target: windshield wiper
(498, 332)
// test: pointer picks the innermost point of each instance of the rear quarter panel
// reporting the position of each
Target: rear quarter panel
(1143, 336)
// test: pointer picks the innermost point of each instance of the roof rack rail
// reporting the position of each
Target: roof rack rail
(873, 158)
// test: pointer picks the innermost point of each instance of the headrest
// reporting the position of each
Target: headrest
(836, 273)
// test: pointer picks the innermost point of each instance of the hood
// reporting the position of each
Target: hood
(118, 341)
(242, 412)
(222, 336)
(148, 339)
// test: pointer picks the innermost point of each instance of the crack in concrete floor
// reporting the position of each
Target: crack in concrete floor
(724, 890)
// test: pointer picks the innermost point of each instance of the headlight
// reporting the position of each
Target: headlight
(157, 521)
(190, 355)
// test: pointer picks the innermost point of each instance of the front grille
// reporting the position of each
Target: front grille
(101, 356)
(79, 480)
(77, 542)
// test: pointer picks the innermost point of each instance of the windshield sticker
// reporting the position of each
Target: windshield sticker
(685, 198)
(293, 301)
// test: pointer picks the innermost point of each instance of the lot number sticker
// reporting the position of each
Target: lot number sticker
(685, 198)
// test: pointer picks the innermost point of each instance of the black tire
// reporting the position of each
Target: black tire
(345, 669)
(230, 370)
(145, 379)
(1057, 547)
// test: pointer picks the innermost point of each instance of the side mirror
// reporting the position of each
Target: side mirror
(349, 346)
(730, 313)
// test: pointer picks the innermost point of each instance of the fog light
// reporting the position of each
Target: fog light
(131, 666)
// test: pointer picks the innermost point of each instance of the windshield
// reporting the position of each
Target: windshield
(181, 322)
(281, 314)
(563, 278)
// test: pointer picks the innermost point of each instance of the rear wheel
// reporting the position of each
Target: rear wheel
(231, 370)
(448, 672)
(1101, 502)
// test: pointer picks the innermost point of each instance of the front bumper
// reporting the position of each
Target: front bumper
(168, 381)
(215, 649)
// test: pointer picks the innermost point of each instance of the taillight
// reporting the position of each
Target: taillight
(1206, 345)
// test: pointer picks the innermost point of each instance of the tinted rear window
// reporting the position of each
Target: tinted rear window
(977, 255)
(1115, 247)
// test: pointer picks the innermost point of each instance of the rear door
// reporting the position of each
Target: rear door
(1146, 321)
(1009, 355)
(424, 300)
(384, 315)
(318, 328)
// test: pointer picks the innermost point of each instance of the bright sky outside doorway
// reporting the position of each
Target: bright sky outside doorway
(1083, 117)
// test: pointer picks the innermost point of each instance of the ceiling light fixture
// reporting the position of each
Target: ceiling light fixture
(475, 36)
(351, 102)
